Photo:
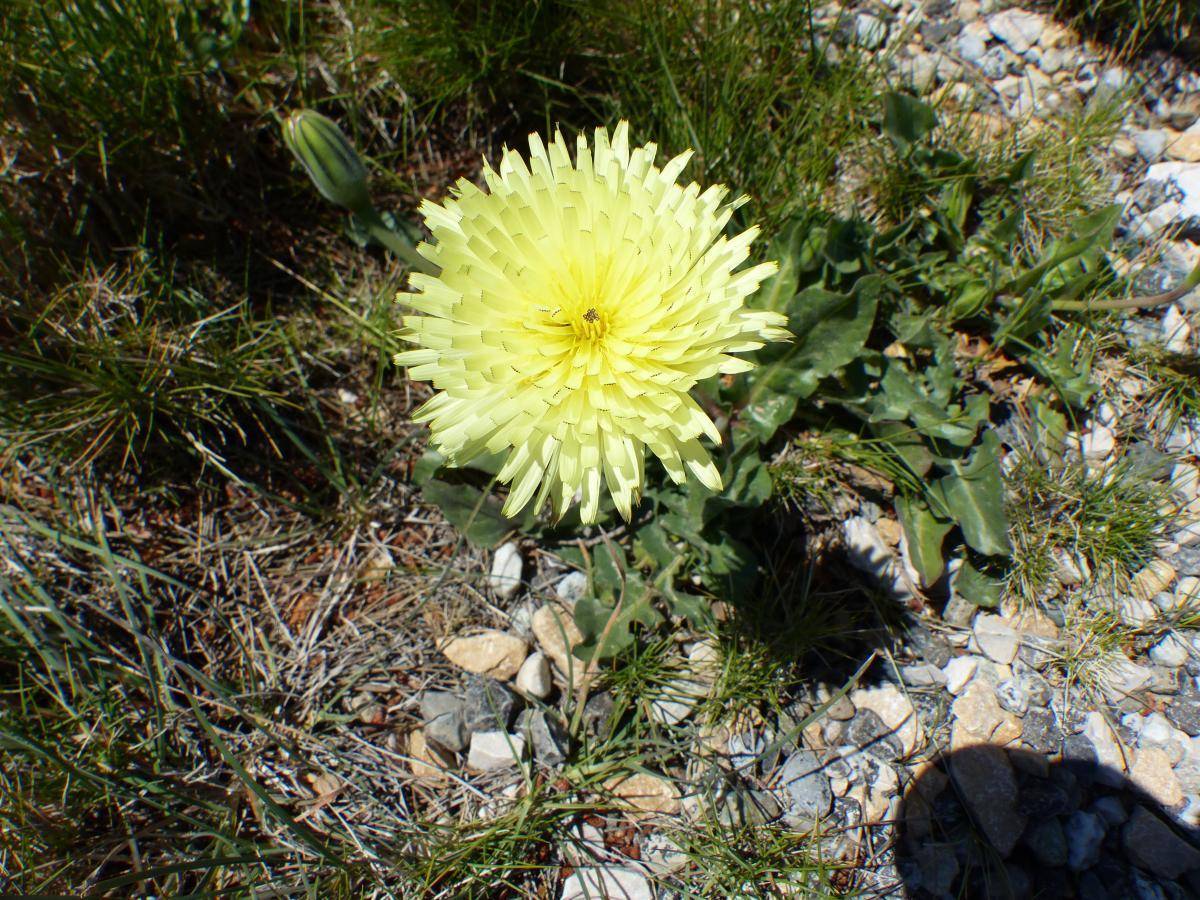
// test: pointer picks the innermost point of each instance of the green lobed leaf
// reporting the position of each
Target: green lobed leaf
(974, 495)
(469, 510)
(906, 119)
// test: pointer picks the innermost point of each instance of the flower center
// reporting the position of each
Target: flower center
(591, 326)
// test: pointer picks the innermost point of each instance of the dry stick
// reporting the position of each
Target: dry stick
(1170, 296)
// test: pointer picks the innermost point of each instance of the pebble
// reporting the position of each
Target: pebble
(426, 761)
(1085, 836)
(869, 733)
(491, 652)
(1039, 730)
(979, 718)
(896, 711)
(996, 638)
(1110, 809)
(1012, 698)
(959, 671)
(676, 699)
(971, 47)
(1171, 651)
(1110, 754)
(1151, 772)
(869, 31)
(505, 577)
(533, 679)
(1153, 846)
(1184, 712)
(807, 792)
(491, 751)
(571, 588)
(646, 793)
(1157, 731)
(1150, 144)
(442, 713)
(1152, 579)
(556, 633)
(923, 675)
(1018, 29)
(1048, 842)
(489, 705)
(590, 882)
(546, 736)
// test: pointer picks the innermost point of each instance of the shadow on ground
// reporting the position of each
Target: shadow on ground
(987, 822)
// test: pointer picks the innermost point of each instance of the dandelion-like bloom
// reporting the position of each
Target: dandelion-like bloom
(577, 305)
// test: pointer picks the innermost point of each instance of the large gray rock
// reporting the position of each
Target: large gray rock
(988, 788)
(1153, 846)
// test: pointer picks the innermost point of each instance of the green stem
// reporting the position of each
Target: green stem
(1135, 302)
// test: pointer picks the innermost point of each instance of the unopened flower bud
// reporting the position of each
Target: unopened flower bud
(328, 158)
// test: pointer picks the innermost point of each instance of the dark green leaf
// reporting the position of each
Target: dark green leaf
(974, 494)
(976, 587)
(906, 119)
(467, 508)
(925, 533)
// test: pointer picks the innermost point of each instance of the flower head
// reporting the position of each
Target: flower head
(578, 304)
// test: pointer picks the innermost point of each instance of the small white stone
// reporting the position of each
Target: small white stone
(996, 638)
(869, 32)
(534, 677)
(959, 671)
(1176, 330)
(1171, 651)
(571, 588)
(590, 882)
(493, 750)
(1018, 29)
(1109, 752)
(1098, 444)
(506, 571)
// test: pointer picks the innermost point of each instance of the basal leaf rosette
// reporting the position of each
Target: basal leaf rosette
(578, 304)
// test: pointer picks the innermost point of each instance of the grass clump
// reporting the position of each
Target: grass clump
(1104, 524)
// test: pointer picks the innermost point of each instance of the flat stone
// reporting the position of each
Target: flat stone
(489, 705)
(644, 793)
(1018, 29)
(1085, 835)
(1151, 772)
(1185, 147)
(571, 588)
(1171, 651)
(923, 675)
(1150, 144)
(869, 31)
(494, 750)
(1152, 845)
(1151, 580)
(591, 882)
(1039, 730)
(1157, 731)
(1123, 678)
(959, 671)
(869, 733)
(971, 47)
(896, 711)
(1110, 809)
(1110, 754)
(748, 808)
(988, 789)
(807, 791)
(556, 633)
(676, 699)
(996, 638)
(598, 714)
(547, 738)
(1048, 842)
(445, 725)
(1012, 697)
(533, 679)
(505, 577)
(1184, 713)
(492, 652)
(426, 761)
(979, 718)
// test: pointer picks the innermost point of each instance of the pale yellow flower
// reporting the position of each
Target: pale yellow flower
(577, 305)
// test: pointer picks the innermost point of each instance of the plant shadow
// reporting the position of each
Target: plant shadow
(986, 821)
